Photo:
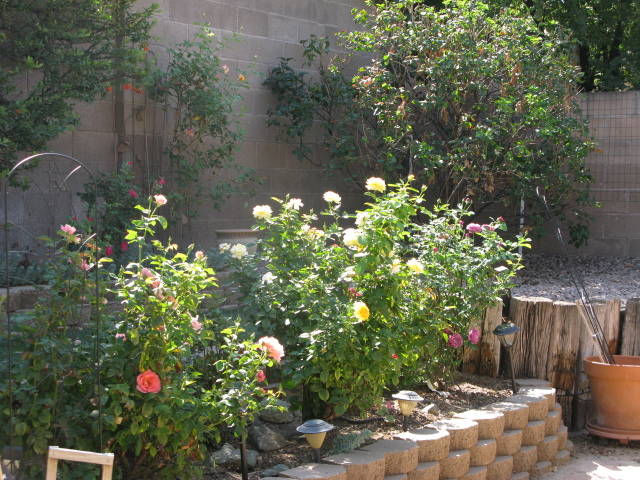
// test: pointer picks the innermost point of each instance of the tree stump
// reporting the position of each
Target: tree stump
(489, 352)
(631, 328)
(530, 351)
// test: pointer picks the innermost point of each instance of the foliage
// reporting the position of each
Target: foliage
(478, 105)
(172, 380)
(199, 90)
(21, 271)
(356, 307)
(606, 36)
(68, 50)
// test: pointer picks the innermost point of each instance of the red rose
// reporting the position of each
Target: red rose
(133, 193)
(148, 382)
(394, 356)
(124, 246)
(108, 251)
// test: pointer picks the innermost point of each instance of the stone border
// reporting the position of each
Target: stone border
(479, 444)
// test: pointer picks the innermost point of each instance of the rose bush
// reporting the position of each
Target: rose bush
(358, 307)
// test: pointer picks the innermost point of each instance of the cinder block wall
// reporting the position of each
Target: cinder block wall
(265, 30)
(614, 119)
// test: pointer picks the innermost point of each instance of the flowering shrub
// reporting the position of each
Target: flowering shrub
(358, 306)
(172, 378)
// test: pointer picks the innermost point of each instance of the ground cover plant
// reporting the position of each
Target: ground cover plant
(473, 100)
(362, 299)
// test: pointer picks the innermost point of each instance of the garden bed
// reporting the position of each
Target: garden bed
(604, 277)
(467, 392)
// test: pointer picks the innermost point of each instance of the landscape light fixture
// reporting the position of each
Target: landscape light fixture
(407, 401)
(506, 333)
(315, 432)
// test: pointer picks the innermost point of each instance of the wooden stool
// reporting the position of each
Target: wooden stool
(56, 453)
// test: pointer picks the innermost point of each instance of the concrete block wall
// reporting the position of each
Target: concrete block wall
(265, 30)
(614, 122)
(520, 438)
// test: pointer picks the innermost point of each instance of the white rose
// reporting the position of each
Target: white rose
(331, 197)
(238, 251)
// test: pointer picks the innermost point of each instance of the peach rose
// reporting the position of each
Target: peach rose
(148, 382)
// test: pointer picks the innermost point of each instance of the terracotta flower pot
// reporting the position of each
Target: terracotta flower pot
(615, 391)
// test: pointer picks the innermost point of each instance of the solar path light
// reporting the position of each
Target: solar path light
(407, 401)
(506, 333)
(315, 432)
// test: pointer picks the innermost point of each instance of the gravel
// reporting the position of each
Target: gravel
(604, 277)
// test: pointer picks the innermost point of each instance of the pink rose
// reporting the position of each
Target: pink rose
(486, 226)
(108, 250)
(68, 229)
(260, 376)
(121, 336)
(148, 382)
(500, 219)
(160, 200)
(196, 325)
(448, 331)
(474, 336)
(474, 228)
(162, 181)
(84, 265)
(124, 246)
(436, 249)
(273, 347)
(455, 340)
(394, 356)
(146, 273)
(133, 193)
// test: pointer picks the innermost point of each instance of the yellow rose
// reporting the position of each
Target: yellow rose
(395, 265)
(350, 238)
(361, 311)
(376, 184)
(415, 266)
(331, 197)
(262, 212)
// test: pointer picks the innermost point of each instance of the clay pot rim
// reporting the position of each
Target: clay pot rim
(599, 362)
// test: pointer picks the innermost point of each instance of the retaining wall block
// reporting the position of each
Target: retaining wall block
(456, 464)
(360, 465)
(399, 476)
(483, 452)
(533, 433)
(476, 473)
(532, 382)
(557, 406)
(548, 392)
(463, 432)
(568, 445)
(520, 476)
(516, 415)
(490, 422)
(525, 459)
(501, 468)
(400, 456)
(509, 442)
(541, 468)
(425, 471)
(548, 448)
(562, 457)
(552, 422)
(563, 434)
(538, 405)
(316, 471)
(433, 444)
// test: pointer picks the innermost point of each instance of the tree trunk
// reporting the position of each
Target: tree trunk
(489, 352)
(631, 328)
(564, 346)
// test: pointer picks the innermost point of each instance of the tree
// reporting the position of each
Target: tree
(479, 103)
(71, 51)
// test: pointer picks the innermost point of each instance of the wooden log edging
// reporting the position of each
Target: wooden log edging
(429, 454)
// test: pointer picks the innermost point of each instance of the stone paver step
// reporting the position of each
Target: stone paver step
(490, 422)
(400, 456)
(433, 444)
(360, 465)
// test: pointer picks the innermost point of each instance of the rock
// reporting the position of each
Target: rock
(264, 438)
(274, 471)
(228, 455)
(278, 413)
